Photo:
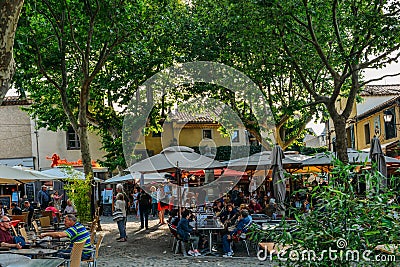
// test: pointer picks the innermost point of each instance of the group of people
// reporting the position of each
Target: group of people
(75, 231)
(235, 221)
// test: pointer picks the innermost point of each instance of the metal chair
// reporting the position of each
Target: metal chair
(93, 260)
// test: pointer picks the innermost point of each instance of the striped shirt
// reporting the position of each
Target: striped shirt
(78, 233)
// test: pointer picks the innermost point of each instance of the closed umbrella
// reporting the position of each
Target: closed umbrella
(278, 177)
(377, 157)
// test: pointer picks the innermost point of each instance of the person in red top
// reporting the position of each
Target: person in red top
(254, 207)
(6, 239)
(53, 209)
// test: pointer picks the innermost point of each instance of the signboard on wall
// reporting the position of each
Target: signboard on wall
(6, 200)
(30, 191)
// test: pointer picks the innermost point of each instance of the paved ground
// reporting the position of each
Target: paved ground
(151, 248)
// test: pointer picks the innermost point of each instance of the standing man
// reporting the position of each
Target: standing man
(76, 232)
(144, 208)
(44, 198)
(30, 210)
(120, 189)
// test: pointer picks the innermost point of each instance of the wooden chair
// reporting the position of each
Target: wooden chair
(76, 254)
(48, 213)
(14, 231)
(24, 234)
(93, 260)
(45, 222)
(36, 227)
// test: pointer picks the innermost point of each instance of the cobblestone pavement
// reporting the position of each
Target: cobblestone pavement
(152, 248)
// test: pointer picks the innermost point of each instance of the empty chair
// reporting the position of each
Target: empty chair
(93, 260)
(44, 222)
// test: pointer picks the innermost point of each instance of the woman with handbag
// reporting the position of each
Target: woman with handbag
(119, 216)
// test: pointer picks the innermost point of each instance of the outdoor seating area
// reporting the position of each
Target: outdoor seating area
(37, 250)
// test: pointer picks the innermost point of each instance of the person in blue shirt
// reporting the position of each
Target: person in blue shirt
(244, 221)
(184, 231)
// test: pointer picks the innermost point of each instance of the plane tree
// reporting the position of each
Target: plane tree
(339, 39)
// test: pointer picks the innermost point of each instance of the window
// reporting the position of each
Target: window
(235, 136)
(367, 134)
(207, 134)
(72, 140)
(390, 124)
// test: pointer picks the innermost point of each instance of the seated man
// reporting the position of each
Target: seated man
(244, 220)
(76, 232)
(6, 239)
(15, 210)
(184, 230)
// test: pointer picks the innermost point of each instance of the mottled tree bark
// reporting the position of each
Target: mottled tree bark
(9, 15)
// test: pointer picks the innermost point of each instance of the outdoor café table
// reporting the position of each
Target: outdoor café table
(210, 225)
(39, 263)
(34, 252)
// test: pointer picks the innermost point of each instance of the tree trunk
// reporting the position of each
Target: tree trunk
(341, 139)
(84, 140)
(9, 15)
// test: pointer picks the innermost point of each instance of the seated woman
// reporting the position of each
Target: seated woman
(69, 209)
(53, 210)
(244, 221)
(228, 214)
(184, 231)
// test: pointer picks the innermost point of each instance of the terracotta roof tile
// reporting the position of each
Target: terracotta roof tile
(369, 90)
(15, 100)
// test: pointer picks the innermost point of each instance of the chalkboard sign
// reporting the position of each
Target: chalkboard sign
(107, 210)
(30, 191)
(6, 200)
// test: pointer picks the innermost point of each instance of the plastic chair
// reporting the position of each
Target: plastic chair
(76, 254)
(93, 260)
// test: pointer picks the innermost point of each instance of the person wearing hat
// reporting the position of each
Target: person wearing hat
(44, 198)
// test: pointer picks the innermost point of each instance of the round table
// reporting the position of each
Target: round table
(34, 252)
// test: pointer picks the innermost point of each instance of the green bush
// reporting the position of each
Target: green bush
(342, 220)
(79, 190)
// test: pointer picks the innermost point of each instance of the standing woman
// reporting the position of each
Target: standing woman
(121, 205)
(57, 200)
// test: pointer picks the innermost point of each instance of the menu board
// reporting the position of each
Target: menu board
(6, 200)
(30, 191)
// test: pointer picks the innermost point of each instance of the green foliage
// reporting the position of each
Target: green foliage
(339, 212)
(79, 191)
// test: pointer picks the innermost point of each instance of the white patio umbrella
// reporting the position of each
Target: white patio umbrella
(148, 178)
(63, 174)
(355, 156)
(10, 175)
(260, 161)
(175, 157)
